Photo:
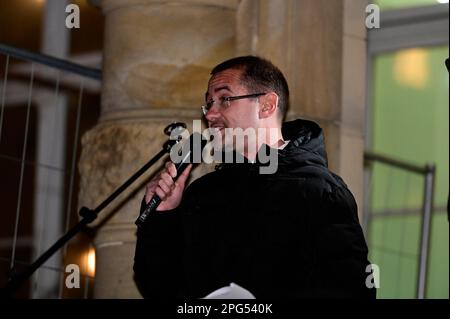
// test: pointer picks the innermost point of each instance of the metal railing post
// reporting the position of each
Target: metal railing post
(425, 231)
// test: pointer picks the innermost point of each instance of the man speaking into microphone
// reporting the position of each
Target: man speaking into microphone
(292, 232)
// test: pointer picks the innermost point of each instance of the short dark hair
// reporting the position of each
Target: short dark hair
(259, 74)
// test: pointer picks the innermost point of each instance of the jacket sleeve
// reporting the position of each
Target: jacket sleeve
(340, 250)
(158, 262)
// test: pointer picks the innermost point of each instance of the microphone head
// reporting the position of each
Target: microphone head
(174, 126)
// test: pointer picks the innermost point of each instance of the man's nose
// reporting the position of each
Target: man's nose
(212, 113)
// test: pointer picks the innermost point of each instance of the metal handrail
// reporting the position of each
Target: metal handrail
(369, 156)
(429, 171)
(51, 61)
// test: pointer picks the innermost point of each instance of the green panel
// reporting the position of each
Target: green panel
(394, 246)
(394, 243)
(410, 123)
(406, 287)
(410, 120)
(400, 234)
(398, 274)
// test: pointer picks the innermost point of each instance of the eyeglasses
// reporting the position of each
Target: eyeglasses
(224, 102)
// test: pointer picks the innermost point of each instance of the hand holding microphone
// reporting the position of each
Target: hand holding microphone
(168, 190)
(163, 192)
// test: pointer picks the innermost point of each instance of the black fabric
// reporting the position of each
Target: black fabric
(292, 234)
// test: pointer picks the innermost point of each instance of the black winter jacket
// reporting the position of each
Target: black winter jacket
(292, 234)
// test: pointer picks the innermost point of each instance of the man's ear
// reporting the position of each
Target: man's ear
(268, 105)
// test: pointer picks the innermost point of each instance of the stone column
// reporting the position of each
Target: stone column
(157, 58)
(320, 46)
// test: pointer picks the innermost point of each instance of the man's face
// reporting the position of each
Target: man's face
(233, 115)
(240, 113)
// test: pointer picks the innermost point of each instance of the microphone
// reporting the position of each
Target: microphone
(190, 152)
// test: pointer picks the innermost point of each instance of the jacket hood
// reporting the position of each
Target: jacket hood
(306, 145)
(305, 153)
